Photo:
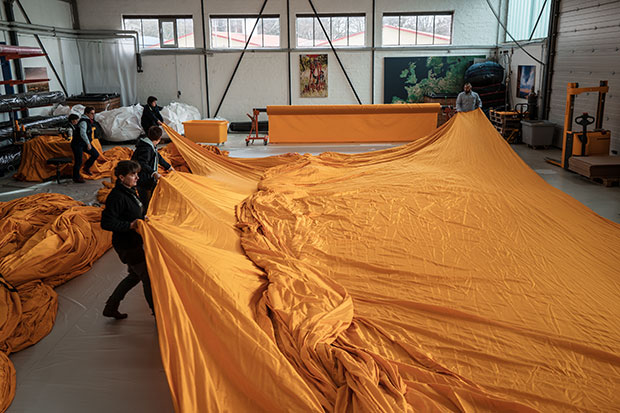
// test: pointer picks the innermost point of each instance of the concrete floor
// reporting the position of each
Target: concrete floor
(90, 363)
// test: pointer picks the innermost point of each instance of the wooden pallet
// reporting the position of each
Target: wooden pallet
(606, 182)
(508, 124)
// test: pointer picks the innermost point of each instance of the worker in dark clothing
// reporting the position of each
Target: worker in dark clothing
(71, 126)
(151, 115)
(82, 142)
(121, 214)
(147, 156)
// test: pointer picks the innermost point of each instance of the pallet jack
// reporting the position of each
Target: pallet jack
(254, 129)
(584, 143)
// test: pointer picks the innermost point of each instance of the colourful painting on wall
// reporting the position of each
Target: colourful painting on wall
(409, 79)
(313, 76)
(526, 76)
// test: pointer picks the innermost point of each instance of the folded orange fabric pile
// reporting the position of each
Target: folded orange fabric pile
(45, 240)
(443, 275)
(37, 151)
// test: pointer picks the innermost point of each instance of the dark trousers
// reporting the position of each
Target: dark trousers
(137, 272)
(78, 150)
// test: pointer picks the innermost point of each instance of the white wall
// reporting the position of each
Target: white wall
(513, 57)
(61, 51)
(262, 78)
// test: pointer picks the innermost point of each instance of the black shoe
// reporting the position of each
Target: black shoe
(79, 180)
(87, 171)
(111, 310)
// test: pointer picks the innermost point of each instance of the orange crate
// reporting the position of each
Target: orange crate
(207, 131)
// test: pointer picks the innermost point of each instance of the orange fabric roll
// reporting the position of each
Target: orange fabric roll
(351, 123)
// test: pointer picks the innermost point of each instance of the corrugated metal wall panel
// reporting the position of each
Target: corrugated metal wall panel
(587, 51)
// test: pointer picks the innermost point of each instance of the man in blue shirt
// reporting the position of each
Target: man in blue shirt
(468, 100)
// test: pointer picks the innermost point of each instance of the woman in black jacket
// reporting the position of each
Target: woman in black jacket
(121, 214)
(147, 156)
(151, 115)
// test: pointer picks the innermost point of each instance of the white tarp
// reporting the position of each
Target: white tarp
(122, 124)
(176, 113)
(67, 110)
(109, 66)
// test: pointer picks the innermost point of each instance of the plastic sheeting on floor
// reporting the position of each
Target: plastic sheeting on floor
(45, 240)
(37, 151)
(443, 275)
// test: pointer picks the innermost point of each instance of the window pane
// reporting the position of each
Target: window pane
(237, 33)
(150, 31)
(257, 36)
(320, 40)
(389, 36)
(408, 30)
(339, 31)
(134, 24)
(357, 31)
(167, 34)
(185, 32)
(305, 31)
(425, 30)
(219, 33)
(271, 29)
(443, 25)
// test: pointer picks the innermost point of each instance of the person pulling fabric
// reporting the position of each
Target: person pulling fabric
(147, 156)
(151, 115)
(121, 214)
(468, 100)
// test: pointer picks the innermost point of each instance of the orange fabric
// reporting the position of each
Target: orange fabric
(45, 240)
(37, 151)
(351, 123)
(443, 275)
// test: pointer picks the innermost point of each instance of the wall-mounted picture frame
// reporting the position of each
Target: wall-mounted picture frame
(313, 76)
(526, 78)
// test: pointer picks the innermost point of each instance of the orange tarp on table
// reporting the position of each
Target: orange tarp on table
(443, 275)
(37, 151)
(351, 123)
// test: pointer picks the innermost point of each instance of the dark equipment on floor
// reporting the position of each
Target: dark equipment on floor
(254, 129)
(584, 143)
(58, 162)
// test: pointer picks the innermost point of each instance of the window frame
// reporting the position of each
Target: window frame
(434, 14)
(247, 30)
(316, 26)
(161, 18)
(162, 43)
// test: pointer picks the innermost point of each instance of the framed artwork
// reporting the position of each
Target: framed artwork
(313, 76)
(409, 79)
(526, 75)
(37, 73)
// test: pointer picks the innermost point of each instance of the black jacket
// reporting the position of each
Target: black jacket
(77, 139)
(145, 156)
(122, 207)
(150, 116)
